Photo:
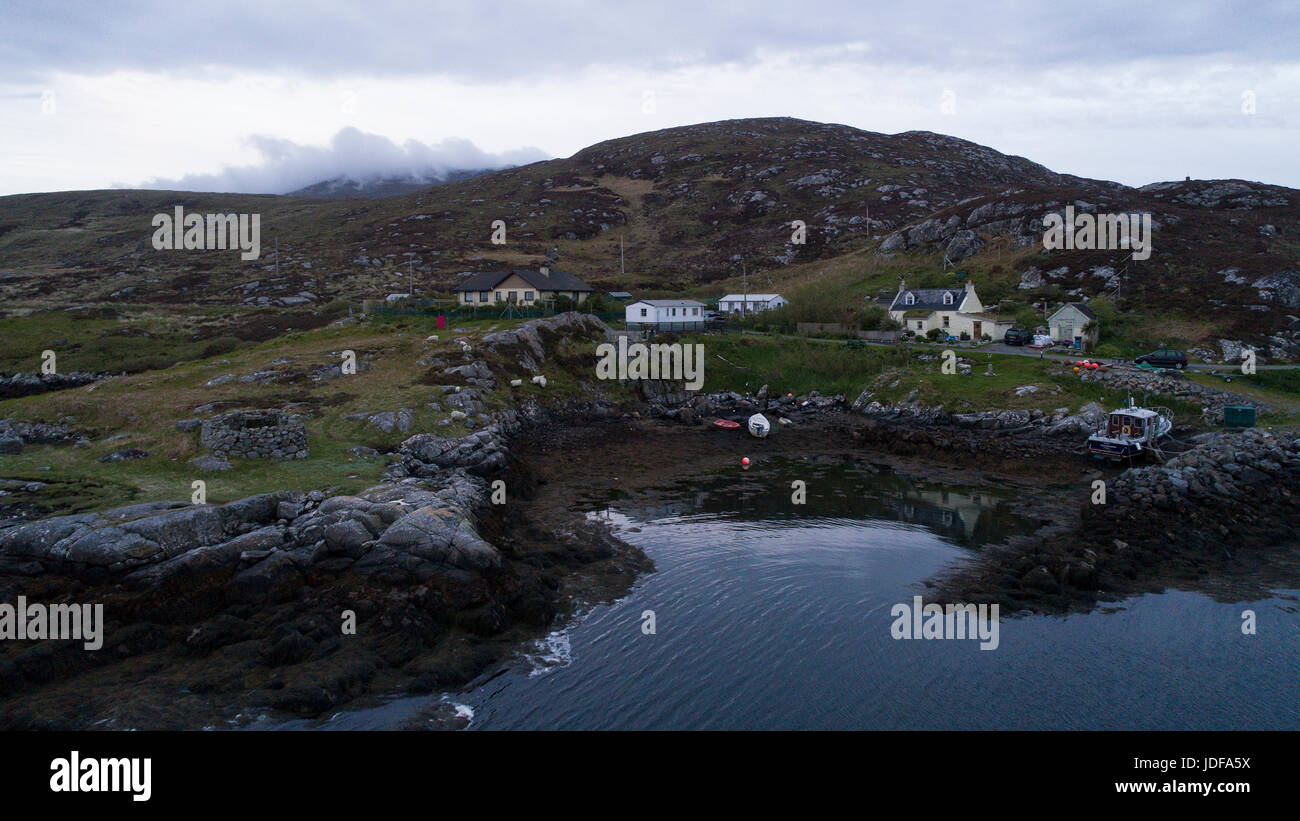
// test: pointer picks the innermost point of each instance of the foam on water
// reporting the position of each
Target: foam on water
(549, 653)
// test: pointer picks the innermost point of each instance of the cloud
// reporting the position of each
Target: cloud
(531, 37)
(287, 166)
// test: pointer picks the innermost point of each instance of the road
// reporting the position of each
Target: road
(1015, 350)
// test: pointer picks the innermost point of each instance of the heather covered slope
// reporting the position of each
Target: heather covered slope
(692, 204)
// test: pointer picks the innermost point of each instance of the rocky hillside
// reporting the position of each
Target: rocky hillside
(691, 205)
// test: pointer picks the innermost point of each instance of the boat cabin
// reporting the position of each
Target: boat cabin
(1131, 422)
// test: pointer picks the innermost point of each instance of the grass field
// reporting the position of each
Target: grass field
(788, 365)
(141, 411)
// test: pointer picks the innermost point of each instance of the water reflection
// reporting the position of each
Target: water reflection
(844, 489)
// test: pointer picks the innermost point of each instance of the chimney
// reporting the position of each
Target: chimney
(545, 271)
(902, 286)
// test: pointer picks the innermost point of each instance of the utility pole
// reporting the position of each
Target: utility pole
(410, 277)
(622, 268)
(744, 285)
(277, 256)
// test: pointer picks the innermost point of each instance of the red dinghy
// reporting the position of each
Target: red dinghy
(725, 424)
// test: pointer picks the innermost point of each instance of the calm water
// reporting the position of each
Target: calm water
(768, 618)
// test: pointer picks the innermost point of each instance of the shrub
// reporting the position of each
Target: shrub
(594, 304)
(219, 346)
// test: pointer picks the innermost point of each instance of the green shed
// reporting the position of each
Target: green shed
(1238, 416)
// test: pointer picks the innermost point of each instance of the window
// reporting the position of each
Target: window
(643, 312)
(512, 296)
(910, 299)
(945, 320)
(919, 324)
(484, 296)
(528, 296)
(947, 298)
(695, 312)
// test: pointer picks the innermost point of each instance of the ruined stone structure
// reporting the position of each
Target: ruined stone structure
(256, 434)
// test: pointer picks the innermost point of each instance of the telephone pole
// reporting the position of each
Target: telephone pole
(744, 286)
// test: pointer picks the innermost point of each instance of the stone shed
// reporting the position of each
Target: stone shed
(256, 434)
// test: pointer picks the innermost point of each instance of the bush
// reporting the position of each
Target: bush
(875, 318)
(594, 304)
(933, 334)
(336, 307)
(220, 346)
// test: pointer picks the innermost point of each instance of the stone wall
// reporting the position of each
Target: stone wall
(256, 434)
(1176, 385)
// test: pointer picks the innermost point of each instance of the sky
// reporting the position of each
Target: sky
(266, 97)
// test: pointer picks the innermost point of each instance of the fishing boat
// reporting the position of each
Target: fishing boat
(725, 424)
(1130, 432)
(758, 426)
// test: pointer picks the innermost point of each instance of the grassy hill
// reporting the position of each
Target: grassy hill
(691, 206)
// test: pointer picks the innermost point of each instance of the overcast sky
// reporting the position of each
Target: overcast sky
(265, 97)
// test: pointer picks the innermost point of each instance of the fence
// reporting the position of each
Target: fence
(656, 327)
(464, 312)
(824, 328)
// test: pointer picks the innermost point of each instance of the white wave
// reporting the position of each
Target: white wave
(550, 652)
(462, 711)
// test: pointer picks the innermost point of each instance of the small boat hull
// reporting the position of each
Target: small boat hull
(1103, 448)
(726, 424)
(758, 426)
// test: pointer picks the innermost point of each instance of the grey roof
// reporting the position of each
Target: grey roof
(749, 297)
(620, 294)
(1078, 306)
(927, 299)
(552, 281)
(671, 303)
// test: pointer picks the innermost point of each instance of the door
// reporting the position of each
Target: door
(979, 330)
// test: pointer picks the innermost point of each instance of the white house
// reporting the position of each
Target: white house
(673, 314)
(952, 310)
(1069, 322)
(524, 287)
(750, 303)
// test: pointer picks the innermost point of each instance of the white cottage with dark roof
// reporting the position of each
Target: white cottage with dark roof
(1075, 323)
(521, 287)
(951, 310)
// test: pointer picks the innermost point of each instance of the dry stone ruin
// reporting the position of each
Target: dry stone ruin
(256, 434)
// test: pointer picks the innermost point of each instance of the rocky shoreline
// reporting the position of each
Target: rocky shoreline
(240, 607)
(219, 614)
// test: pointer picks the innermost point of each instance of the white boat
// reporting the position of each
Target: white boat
(759, 426)
(1130, 432)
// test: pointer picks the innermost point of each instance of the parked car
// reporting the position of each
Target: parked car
(713, 316)
(1018, 336)
(1163, 358)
